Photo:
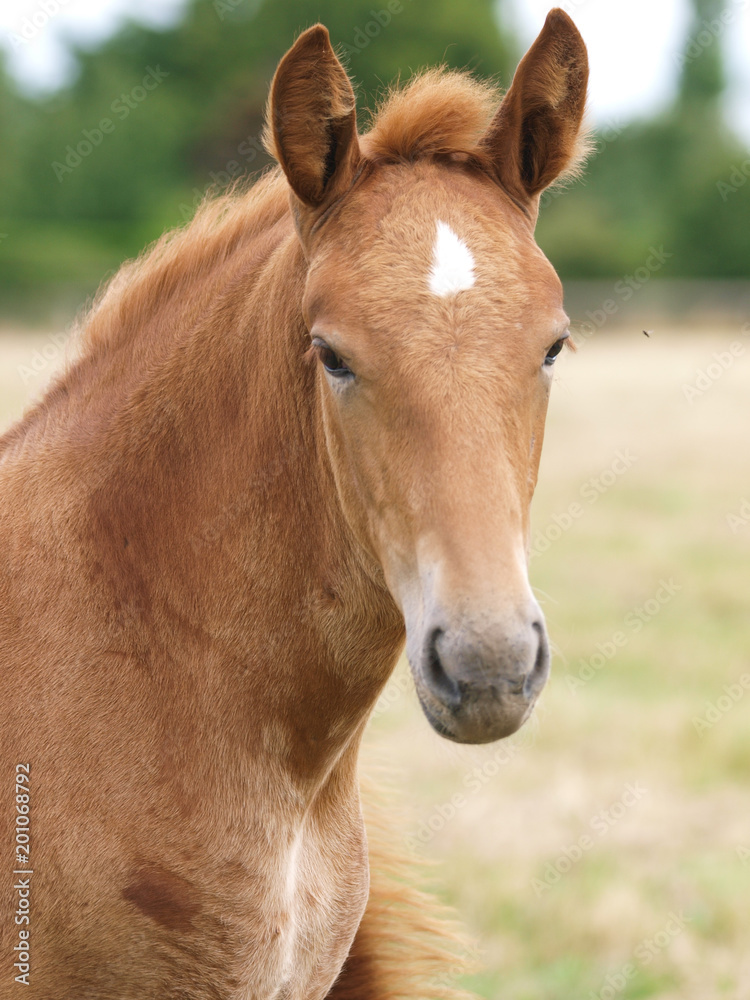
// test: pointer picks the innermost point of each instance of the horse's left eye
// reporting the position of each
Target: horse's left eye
(554, 351)
(330, 360)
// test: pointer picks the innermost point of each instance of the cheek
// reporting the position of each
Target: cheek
(374, 480)
(336, 427)
(538, 419)
(354, 444)
(349, 456)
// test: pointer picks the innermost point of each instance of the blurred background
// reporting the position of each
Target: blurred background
(117, 117)
(604, 851)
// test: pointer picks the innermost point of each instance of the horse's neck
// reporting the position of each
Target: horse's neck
(219, 530)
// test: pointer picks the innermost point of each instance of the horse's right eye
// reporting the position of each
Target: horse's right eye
(555, 350)
(330, 360)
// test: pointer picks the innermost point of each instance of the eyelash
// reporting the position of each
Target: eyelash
(553, 352)
(340, 370)
(330, 360)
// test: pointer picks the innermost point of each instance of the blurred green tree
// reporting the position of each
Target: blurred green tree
(675, 181)
(154, 118)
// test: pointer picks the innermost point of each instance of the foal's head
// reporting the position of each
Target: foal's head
(436, 321)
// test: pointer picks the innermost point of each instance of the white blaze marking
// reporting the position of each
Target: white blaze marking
(452, 263)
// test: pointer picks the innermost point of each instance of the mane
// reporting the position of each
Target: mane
(168, 286)
(173, 267)
(437, 113)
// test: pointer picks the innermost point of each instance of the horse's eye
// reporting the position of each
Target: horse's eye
(554, 351)
(330, 360)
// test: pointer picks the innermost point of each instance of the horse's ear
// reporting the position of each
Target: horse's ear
(536, 134)
(311, 122)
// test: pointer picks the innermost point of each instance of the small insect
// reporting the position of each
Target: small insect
(648, 333)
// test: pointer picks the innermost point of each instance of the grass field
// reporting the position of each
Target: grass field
(604, 851)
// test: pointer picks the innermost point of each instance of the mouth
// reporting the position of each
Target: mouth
(433, 720)
(470, 693)
(494, 719)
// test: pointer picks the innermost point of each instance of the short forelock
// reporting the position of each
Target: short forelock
(437, 113)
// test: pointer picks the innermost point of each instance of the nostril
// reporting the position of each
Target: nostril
(538, 674)
(435, 674)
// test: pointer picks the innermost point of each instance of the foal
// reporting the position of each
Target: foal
(299, 430)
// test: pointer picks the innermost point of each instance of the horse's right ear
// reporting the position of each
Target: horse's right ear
(311, 123)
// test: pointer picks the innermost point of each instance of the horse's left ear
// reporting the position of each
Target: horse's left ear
(536, 133)
(311, 123)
